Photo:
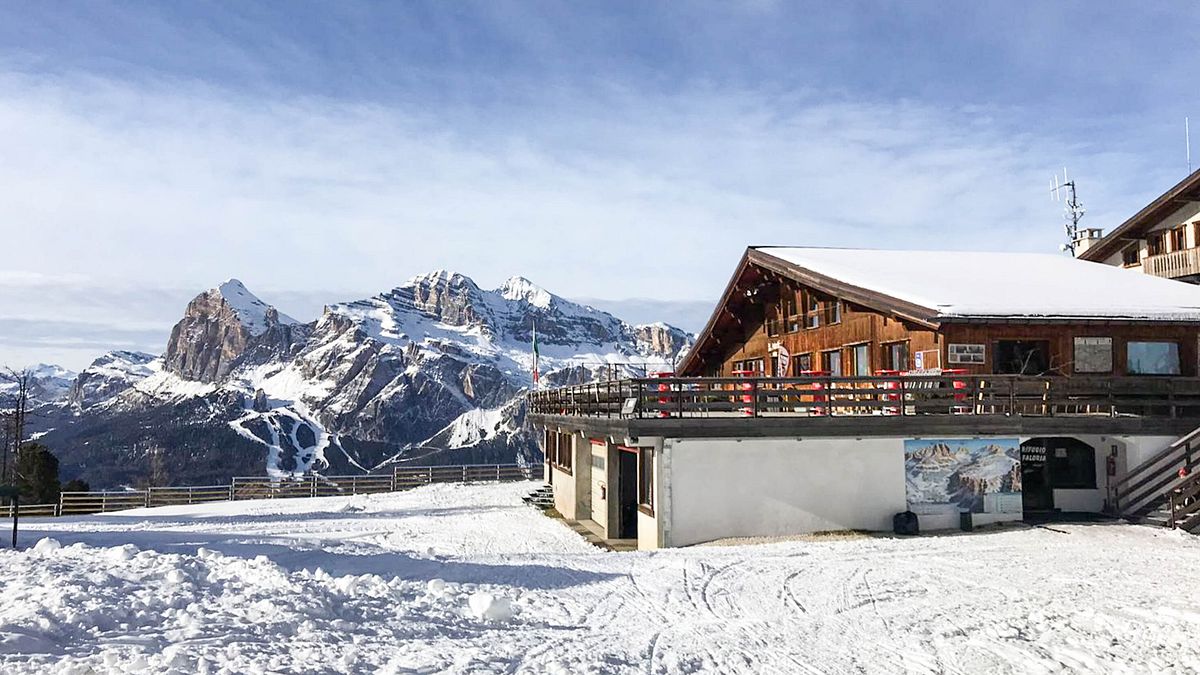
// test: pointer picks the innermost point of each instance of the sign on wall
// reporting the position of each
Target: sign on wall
(965, 353)
(951, 475)
(1093, 355)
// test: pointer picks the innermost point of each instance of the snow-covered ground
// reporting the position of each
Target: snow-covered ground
(466, 579)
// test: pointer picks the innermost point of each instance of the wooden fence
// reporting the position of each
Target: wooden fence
(240, 488)
(30, 510)
(999, 395)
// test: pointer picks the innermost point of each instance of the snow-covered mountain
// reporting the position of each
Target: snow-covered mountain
(432, 371)
(48, 384)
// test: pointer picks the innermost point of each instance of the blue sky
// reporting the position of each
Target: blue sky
(325, 151)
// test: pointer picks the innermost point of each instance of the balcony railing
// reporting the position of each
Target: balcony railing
(1173, 265)
(998, 395)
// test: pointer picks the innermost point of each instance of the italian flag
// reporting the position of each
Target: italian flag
(535, 356)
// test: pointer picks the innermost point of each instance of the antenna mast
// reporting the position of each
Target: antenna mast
(1073, 210)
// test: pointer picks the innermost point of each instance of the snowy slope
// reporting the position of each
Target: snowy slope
(466, 579)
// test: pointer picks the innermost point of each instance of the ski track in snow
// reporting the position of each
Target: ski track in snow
(343, 584)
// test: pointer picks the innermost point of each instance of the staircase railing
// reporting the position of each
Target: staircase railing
(1147, 485)
(1185, 505)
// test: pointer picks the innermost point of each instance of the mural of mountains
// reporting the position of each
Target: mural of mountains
(430, 372)
(962, 474)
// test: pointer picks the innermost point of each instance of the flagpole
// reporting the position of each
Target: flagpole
(536, 377)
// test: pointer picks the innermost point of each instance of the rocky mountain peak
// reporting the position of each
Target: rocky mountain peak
(662, 340)
(219, 326)
(256, 315)
(110, 375)
(522, 289)
(450, 297)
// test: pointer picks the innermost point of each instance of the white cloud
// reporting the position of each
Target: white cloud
(604, 192)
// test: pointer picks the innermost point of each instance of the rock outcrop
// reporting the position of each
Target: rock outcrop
(220, 327)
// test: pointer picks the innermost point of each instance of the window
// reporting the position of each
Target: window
(791, 322)
(833, 311)
(895, 356)
(1154, 244)
(1131, 256)
(812, 317)
(559, 450)
(831, 362)
(860, 360)
(1176, 237)
(1093, 355)
(646, 480)
(1021, 357)
(749, 367)
(801, 364)
(1152, 358)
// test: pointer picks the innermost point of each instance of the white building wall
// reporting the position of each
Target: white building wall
(564, 493)
(1140, 448)
(776, 486)
(573, 490)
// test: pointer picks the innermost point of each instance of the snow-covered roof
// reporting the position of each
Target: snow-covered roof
(972, 284)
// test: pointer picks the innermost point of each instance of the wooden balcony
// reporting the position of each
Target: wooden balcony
(1173, 265)
(877, 405)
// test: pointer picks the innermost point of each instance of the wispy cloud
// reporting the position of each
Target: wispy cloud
(125, 189)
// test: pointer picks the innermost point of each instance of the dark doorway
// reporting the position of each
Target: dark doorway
(1036, 494)
(1054, 463)
(1021, 357)
(627, 510)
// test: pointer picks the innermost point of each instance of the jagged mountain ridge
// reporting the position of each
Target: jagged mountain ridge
(431, 371)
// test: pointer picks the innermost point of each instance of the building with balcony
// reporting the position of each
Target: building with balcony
(833, 388)
(1162, 240)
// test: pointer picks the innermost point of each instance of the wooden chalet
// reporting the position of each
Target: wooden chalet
(1162, 239)
(842, 312)
(834, 388)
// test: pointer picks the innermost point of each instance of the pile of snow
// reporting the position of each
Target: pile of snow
(466, 579)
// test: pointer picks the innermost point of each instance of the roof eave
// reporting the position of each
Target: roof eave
(1110, 243)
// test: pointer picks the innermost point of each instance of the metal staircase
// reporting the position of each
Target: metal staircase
(1154, 492)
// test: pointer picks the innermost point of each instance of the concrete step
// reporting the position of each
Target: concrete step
(543, 497)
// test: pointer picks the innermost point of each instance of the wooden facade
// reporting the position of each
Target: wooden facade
(828, 327)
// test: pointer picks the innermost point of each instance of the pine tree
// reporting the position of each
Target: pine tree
(37, 474)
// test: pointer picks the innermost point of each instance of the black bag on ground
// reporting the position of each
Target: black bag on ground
(905, 523)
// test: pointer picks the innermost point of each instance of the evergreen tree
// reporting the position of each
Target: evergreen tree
(37, 474)
(76, 485)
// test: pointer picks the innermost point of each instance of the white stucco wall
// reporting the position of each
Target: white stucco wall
(763, 487)
(1140, 448)
(572, 490)
(564, 493)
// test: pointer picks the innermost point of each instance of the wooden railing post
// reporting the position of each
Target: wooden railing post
(754, 397)
(1171, 509)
